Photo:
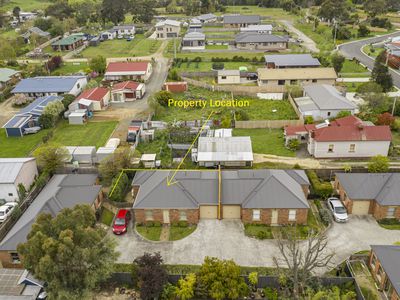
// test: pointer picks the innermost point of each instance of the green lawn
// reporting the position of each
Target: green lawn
(151, 233)
(26, 5)
(19, 146)
(140, 46)
(266, 141)
(258, 109)
(70, 68)
(106, 217)
(259, 231)
(178, 233)
(351, 86)
(372, 51)
(206, 66)
(395, 137)
(89, 134)
(391, 224)
(218, 47)
(352, 68)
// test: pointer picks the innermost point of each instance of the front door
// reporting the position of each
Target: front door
(274, 217)
(166, 216)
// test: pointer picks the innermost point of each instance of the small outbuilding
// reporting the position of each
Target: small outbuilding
(228, 77)
(84, 154)
(104, 152)
(148, 160)
(77, 117)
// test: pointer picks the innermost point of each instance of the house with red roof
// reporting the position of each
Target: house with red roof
(127, 91)
(98, 96)
(342, 138)
(129, 70)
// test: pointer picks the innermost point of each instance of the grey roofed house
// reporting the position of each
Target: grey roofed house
(225, 149)
(194, 36)
(37, 31)
(323, 96)
(291, 60)
(254, 37)
(18, 284)
(250, 188)
(11, 167)
(122, 27)
(168, 22)
(381, 187)
(257, 28)
(389, 258)
(228, 73)
(241, 19)
(62, 191)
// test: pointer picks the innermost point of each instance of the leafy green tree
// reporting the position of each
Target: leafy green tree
(363, 30)
(47, 121)
(375, 7)
(185, 289)
(57, 29)
(369, 87)
(334, 9)
(380, 75)
(50, 157)
(7, 51)
(162, 97)
(69, 252)
(337, 62)
(151, 274)
(119, 188)
(114, 10)
(221, 279)
(112, 165)
(169, 292)
(378, 164)
(253, 279)
(54, 108)
(342, 114)
(67, 100)
(98, 64)
(86, 10)
(60, 10)
(143, 10)
(342, 32)
(16, 11)
(44, 23)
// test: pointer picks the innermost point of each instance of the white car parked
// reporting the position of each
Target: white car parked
(6, 210)
(338, 210)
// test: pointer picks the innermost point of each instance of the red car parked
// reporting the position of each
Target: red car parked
(121, 221)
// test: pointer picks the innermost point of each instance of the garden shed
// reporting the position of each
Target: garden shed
(84, 154)
(148, 160)
(112, 143)
(77, 117)
(104, 152)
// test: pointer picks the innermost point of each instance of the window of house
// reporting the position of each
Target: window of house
(149, 215)
(352, 148)
(292, 215)
(182, 215)
(314, 80)
(330, 148)
(281, 82)
(15, 258)
(78, 85)
(10, 194)
(256, 214)
(328, 113)
(390, 212)
(223, 77)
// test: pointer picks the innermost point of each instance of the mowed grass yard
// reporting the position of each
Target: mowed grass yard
(140, 46)
(90, 134)
(266, 141)
(26, 5)
(206, 66)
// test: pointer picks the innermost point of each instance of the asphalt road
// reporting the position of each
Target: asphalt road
(353, 50)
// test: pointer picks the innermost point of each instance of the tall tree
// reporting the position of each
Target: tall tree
(143, 10)
(86, 10)
(337, 62)
(69, 252)
(16, 11)
(50, 157)
(221, 279)
(114, 10)
(378, 164)
(375, 7)
(299, 261)
(334, 10)
(60, 10)
(98, 64)
(381, 75)
(151, 274)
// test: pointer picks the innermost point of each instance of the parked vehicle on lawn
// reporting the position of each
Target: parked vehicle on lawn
(6, 210)
(121, 221)
(338, 210)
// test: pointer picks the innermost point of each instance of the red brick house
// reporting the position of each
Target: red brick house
(273, 197)
(384, 263)
(62, 191)
(375, 194)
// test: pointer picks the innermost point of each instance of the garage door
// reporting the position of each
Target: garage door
(231, 212)
(360, 207)
(209, 212)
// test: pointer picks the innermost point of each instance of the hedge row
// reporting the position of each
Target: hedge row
(321, 189)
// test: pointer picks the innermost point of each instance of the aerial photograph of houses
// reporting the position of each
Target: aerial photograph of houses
(200, 149)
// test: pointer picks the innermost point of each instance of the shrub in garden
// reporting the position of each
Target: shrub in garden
(389, 221)
(293, 144)
(321, 189)
(378, 164)
(262, 235)
(325, 216)
(218, 66)
(183, 224)
(271, 293)
(119, 188)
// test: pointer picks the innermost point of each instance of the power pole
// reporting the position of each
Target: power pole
(174, 48)
(334, 38)
(394, 105)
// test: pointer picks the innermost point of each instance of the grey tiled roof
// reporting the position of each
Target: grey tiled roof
(238, 19)
(292, 60)
(254, 37)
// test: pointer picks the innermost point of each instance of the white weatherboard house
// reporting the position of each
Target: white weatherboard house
(15, 171)
(323, 101)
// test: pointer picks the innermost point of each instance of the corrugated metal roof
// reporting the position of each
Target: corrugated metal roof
(296, 73)
(228, 73)
(254, 37)
(47, 84)
(37, 106)
(236, 148)
(241, 19)
(62, 191)
(257, 28)
(6, 74)
(292, 60)
(11, 167)
(328, 97)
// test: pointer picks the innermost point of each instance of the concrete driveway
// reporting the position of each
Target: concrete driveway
(226, 240)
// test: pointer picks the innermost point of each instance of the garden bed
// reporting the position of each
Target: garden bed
(364, 280)
(177, 232)
(106, 216)
(391, 224)
(150, 232)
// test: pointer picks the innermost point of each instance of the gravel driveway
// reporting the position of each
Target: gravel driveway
(226, 240)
